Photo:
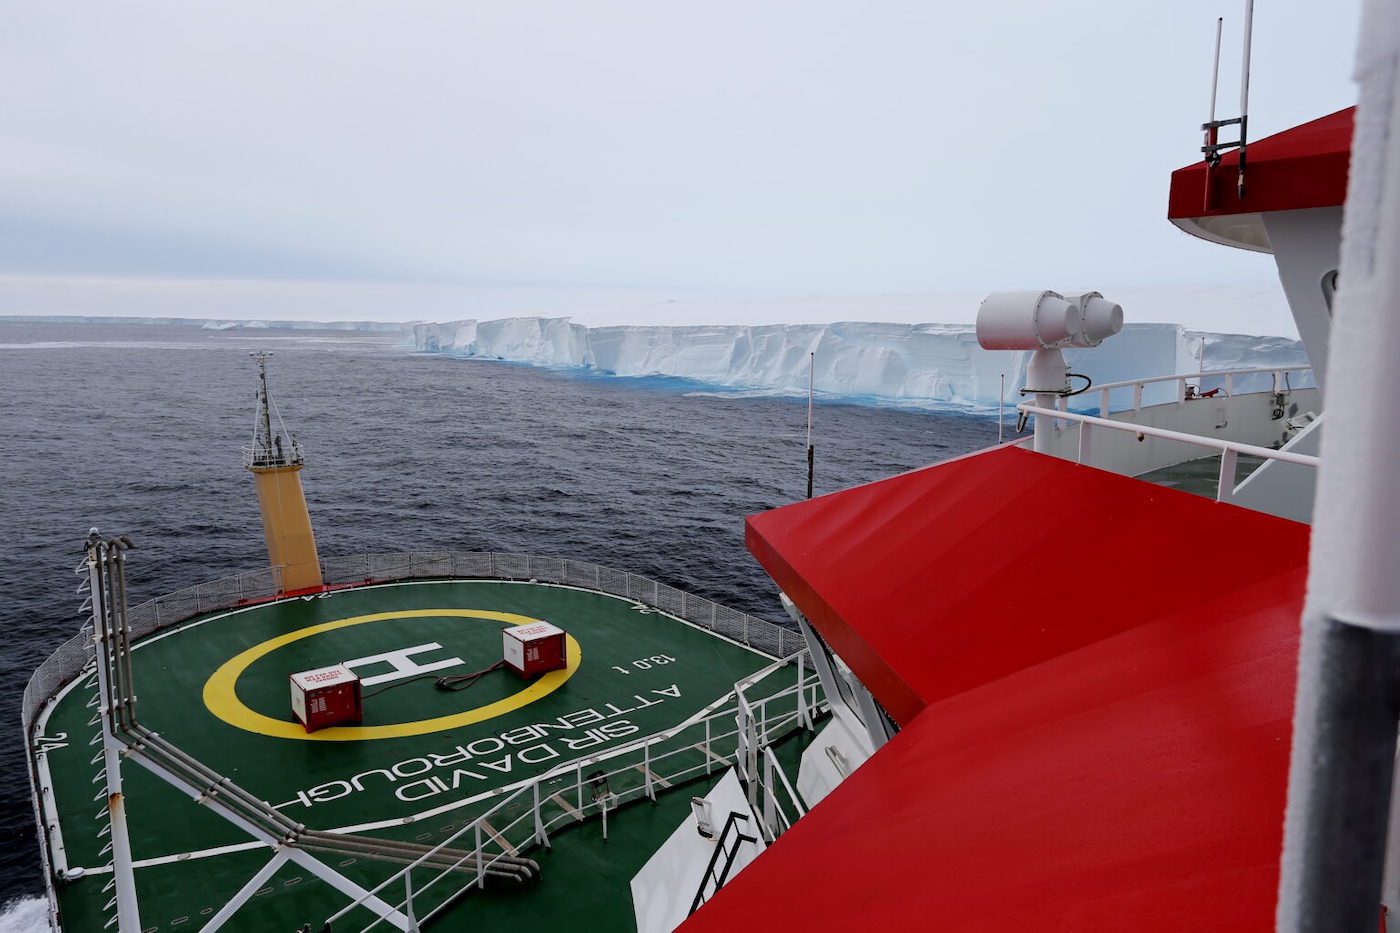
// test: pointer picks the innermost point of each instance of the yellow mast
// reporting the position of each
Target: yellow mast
(275, 462)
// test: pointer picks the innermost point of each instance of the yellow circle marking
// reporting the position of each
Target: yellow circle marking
(221, 697)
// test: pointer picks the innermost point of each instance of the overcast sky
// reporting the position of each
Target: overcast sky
(754, 147)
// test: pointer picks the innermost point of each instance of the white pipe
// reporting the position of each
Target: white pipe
(1244, 67)
(1215, 69)
(1265, 453)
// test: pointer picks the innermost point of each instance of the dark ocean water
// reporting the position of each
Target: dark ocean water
(137, 428)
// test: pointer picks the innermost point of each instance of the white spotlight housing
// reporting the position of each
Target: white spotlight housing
(1027, 321)
(1099, 318)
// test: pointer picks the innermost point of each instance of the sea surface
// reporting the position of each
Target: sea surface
(136, 428)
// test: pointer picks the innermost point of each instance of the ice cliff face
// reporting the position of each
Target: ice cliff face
(934, 364)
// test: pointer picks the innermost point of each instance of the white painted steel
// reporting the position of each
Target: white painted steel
(1040, 320)
(260, 877)
(1355, 548)
(753, 730)
(104, 617)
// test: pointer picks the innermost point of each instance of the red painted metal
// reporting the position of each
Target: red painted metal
(946, 578)
(1298, 168)
(1096, 733)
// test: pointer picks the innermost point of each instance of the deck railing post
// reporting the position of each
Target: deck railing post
(1137, 396)
(480, 859)
(579, 771)
(707, 747)
(408, 901)
(1084, 451)
(1103, 403)
(541, 837)
(646, 769)
(804, 718)
(1225, 488)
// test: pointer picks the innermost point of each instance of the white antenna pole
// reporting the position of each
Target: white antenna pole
(1244, 92)
(1001, 409)
(1215, 69)
(1244, 73)
(811, 453)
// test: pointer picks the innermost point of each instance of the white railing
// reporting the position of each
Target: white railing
(589, 787)
(1229, 450)
(1281, 376)
(365, 569)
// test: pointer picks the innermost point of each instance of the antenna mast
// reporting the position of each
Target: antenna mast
(1213, 147)
(811, 451)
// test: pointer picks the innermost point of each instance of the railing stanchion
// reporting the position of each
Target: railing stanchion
(1103, 403)
(707, 747)
(480, 859)
(646, 770)
(1225, 488)
(1084, 450)
(1137, 396)
(541, 837)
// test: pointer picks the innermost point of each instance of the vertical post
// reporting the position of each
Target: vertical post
(1214, 76)
(1084, 449)
(646, 769)
(1244, 92)
(1137, 396)
(770, 816)
(707, 746)
(1103, 403)
(480, 859)
(811, 451)
(408, 901)
(541, 837)
(1001, 410)
(1348, 693)
(105, 615)
(804, 717)
(1225, 486)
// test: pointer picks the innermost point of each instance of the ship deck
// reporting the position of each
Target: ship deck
(423, 763)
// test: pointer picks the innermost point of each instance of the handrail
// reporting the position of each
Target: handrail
(721, 710)
(243, 589)
(1182, 379)
(729, 856)
(1230, 450)
(1205, 374)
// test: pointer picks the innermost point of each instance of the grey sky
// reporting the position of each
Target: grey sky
(741, 147)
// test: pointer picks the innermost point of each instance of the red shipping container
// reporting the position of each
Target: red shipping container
(534, 648)
(327, 696)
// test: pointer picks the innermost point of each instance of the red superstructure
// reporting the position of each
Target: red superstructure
(1094, 680)
(1299, 169)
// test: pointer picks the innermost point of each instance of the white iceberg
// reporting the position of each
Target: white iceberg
(922, 364)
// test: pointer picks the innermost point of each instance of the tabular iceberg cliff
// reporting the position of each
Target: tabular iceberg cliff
(929, 364)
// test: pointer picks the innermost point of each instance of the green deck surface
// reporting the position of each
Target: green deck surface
(609, 701)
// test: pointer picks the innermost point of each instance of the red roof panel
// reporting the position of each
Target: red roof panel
(1298, 168)
(946, 578)
(1095, 677)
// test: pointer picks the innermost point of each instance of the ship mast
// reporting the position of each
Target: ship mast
(275, 460)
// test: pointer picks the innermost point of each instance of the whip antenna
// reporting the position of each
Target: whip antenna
(1213, 147)
(811, 451)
